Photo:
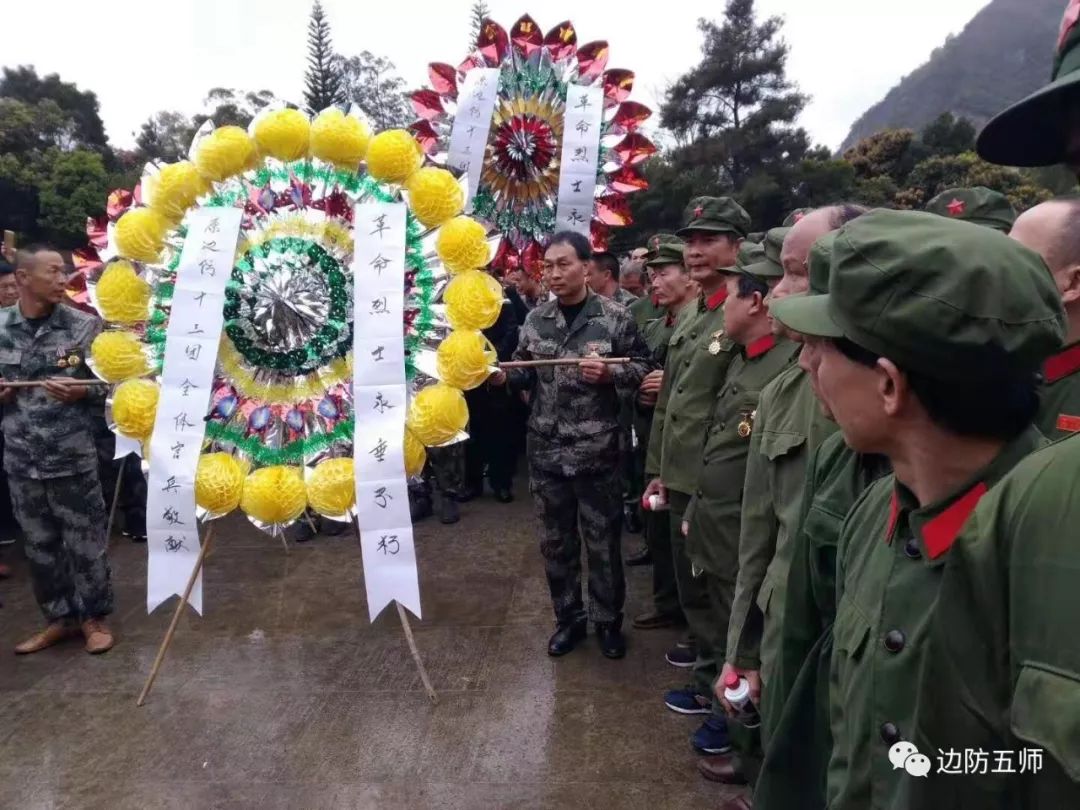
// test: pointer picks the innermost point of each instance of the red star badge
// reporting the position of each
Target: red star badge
(1069, 21)
(699, 210)
(957, 207)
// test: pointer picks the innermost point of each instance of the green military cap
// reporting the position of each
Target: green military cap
(756, 237)
(945, 298)
(979, 205)
(717, 214)
(767, 264)
(1033, 132)
(664, 248)
(795, 216)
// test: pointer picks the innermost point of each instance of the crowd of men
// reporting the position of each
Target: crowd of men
(857, 437)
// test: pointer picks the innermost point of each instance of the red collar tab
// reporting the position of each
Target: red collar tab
(655, 300)
(717, 299)
(760, 346)
(1062, 364)
(940, 531)
(669, 319)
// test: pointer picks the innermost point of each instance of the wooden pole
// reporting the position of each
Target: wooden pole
(403, 616)
(167, 641)
(39, 383)
(565, 361)
(115, 500)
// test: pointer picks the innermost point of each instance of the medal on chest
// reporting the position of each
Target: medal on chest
(68, 358)
(746, 424)
(716, 344)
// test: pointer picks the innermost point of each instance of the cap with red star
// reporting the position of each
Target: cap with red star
(978, 205)
(956, 207)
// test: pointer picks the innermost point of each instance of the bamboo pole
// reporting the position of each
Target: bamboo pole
(565, 361)
(171, 632)
(115, 501)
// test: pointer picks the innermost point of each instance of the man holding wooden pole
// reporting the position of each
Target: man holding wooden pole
(49, 453)
(573, 440)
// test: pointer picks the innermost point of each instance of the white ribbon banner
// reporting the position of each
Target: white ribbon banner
(469, 132)
(580, 157)
(191, 346)
(379, 408)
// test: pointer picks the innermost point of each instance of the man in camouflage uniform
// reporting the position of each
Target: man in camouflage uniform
(603, 279)
(1050, 230)
(674, 288)
(573, 441)
(50, 457)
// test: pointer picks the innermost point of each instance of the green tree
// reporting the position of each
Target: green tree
(165, 136)
(74, 186)
(477, 14)
(948, 135)
(323, 83)
(735, 111)
(83, 124)
(891, 153)
(369, 82)
(225, 105)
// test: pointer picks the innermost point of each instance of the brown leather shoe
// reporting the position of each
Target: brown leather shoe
(98, 637)
(721, 768)
(43, 639)
(738, 803)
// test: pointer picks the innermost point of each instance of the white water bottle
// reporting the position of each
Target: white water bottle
(654, 503)
(737, 693)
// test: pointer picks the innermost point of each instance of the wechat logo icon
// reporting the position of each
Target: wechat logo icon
(905, 755)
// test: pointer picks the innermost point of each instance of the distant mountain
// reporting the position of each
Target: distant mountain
(1002, 55)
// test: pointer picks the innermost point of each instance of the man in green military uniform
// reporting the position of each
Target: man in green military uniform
(675, 290)
(978, 205)
(788, 429)
(1051, 230)
(1001, 675)
(711, 522)
(950, 403)
(698, 357)
(1044, 128)
(573, 441)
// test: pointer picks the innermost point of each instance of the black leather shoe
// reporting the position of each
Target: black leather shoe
(566, 638)
(641, 557)
(631, 520)
(504, 496)
(470, 494)
(612, 642)
(448, 511)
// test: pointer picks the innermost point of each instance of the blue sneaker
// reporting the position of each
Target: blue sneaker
(688, 701)
(712, 737)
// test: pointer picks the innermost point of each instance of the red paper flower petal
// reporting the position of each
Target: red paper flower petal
(443, 78)
(97, 231)
(525, 36)
(119, 201)
(532, 260)
(561, 41)
(633, 149)
(427, 104)
(506, 257)
(493, 43)
(618, 83)
(471, 61)
(630, 116)
(612, 209)
(599, 234)
(592, 59)
(425, 135)
(85, 259)
(627, 180)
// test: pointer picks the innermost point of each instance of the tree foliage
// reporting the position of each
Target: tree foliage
(371, 83)
(323, 86)
(80, 123)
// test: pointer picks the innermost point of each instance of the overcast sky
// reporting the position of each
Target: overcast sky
(140, 56)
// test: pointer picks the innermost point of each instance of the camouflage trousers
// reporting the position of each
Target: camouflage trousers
(63, 520)
(570, 510)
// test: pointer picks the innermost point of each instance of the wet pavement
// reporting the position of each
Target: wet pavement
(284, 696)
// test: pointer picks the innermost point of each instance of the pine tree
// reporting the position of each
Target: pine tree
(323, 82)
(480, 12)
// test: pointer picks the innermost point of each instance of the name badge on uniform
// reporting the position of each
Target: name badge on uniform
(746, 424)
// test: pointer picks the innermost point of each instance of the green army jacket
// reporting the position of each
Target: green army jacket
(573, 425)
(1059, 399)
(44, 438)
(788, 429)
(714, 508)
(1002, 671)
(646, 309)
(793, 774)
(889, 564)
(657, 333)
(698, 358)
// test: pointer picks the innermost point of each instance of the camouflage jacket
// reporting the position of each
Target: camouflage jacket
(621, 296)
(44, 438)
(574, 425)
